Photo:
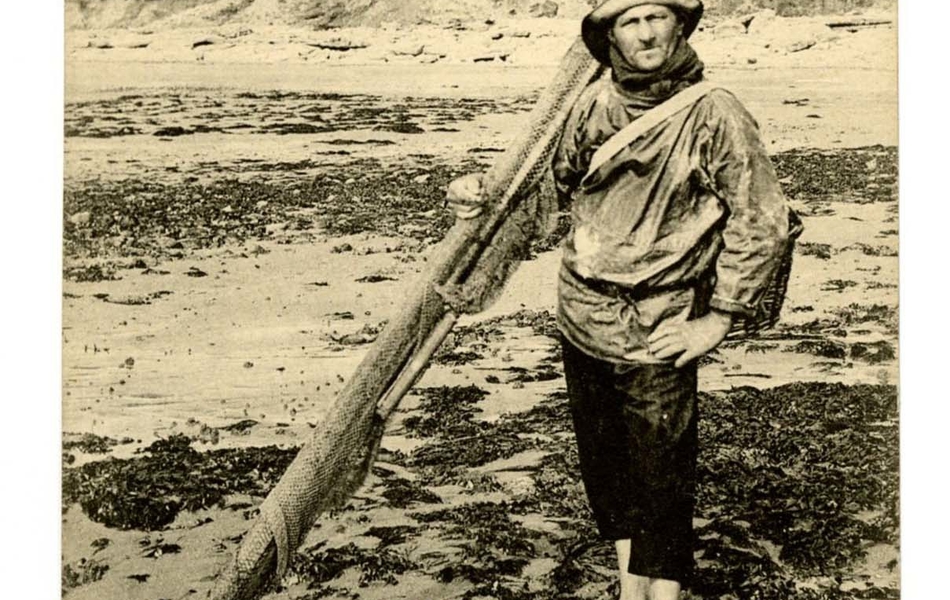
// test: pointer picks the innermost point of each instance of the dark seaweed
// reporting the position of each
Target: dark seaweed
(321, 565)
(83, 572)
(446, 411)
(148, 492)
(401, 493)
(859, 174)
(91, 443)
(392, 536)
(493, 544)
(822, 348)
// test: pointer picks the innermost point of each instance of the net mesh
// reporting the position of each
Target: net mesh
(469, 270)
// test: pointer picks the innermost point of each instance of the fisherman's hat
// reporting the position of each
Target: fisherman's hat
(596, 24)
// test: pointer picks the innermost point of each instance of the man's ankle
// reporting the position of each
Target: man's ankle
(664, 589)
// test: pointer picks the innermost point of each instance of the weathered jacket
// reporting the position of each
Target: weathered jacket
(689, 217)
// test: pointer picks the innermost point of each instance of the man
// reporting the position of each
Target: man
(679, 234)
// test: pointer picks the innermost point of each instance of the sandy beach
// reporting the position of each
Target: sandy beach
(246, 207)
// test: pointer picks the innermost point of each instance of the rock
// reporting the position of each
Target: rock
(853, 24)
(759, 21)
(801, 45)
(208, 435)
(421, 178)
(545, 9)
(490, 56)
(729, 28)
(790, 35)
(81, 218)
(206, 40)
(852, 586)
(338, 44)
(520, 34)
(172, 131)
(241, 427)
(128, 41)
(409, 50)
(132, 41)
(235, 31)
(497, 36)
(374, 278)
(356, 339)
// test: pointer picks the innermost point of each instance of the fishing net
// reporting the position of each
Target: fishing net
(469, 270)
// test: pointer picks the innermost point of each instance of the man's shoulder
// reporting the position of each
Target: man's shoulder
(593, 100)
(596, 92)
(719, 101)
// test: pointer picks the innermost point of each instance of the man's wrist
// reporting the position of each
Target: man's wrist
(721, 316)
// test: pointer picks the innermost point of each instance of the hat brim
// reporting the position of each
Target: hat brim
(597, 24)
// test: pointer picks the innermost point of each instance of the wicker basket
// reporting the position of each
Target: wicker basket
(770, 308)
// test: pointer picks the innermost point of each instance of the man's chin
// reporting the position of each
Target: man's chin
(649, 66)
(649, 60)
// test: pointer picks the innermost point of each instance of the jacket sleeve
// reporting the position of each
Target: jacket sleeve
(567, 166)
(755, 231)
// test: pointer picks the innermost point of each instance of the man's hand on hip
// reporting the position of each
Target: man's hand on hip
(690, 340)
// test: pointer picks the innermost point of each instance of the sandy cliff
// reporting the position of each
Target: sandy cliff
(163, 14)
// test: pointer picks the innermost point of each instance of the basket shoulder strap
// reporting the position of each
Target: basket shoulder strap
(647, 121)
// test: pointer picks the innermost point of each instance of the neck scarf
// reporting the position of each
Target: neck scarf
(650, 88)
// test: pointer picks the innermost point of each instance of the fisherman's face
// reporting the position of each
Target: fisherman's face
(646, 35)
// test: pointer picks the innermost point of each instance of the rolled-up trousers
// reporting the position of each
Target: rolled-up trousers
(636, 428)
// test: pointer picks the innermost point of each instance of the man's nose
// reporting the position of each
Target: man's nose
(645, 32)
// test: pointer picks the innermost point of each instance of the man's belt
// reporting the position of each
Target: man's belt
(615, 290)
